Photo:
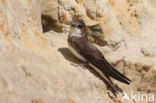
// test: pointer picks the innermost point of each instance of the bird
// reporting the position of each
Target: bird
(85, 51)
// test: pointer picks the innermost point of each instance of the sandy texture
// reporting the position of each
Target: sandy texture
(37, 67)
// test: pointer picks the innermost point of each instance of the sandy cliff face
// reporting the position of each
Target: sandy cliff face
(36, 67)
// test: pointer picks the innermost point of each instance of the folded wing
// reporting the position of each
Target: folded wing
(96, 58)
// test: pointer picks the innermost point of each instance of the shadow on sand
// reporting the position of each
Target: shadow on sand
(70, 57)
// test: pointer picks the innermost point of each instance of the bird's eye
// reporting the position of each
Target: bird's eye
(72, 25)
(80, 26)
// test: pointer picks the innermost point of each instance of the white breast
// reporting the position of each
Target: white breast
(76, 53)
(84, 60)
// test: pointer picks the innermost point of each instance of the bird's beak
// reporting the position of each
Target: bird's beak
(72, 29)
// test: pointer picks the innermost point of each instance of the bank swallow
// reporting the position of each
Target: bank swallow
(83, 49)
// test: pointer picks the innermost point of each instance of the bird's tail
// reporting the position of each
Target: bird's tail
(114, 88)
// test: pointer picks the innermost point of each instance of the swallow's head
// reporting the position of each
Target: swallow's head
(78, 29)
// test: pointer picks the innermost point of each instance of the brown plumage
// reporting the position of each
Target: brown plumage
(78, 42)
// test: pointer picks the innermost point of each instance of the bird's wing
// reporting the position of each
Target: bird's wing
(96, 58)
